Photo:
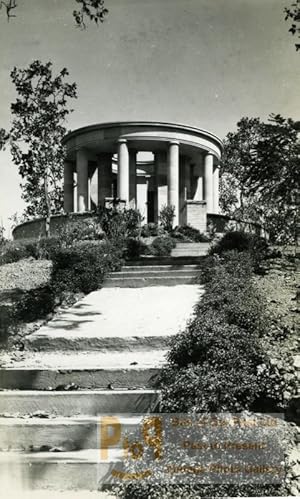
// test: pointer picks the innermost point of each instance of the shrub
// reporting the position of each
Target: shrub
(161, 490)
(84, 266)
(166, 217)
(134, 248)
(150, 230)
(190, 233)
(232, 292)
(119, 224)
(235, 240)
(13, 251)
(35, 304)
(45, 248)
(217, 364)
(162, 246)
(80, 230)
(240, 241)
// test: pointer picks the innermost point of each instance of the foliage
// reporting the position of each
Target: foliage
(83, 266)
(162, 246)
(91, 10)
(35, 304)
(120, 224)
(241, 241)
(134, 248)
(36, 133)
(292, 13)
(190, 233)
(166, 217)
(88, 10)
(259, 180)
(149, 230)
(2, 237)
(13, 251)
(80, 230)
(217, 363)
(161, 490)
(257, 247)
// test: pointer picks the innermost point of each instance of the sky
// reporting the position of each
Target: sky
(205, 63)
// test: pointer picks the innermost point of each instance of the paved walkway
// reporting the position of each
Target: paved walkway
(124, 312)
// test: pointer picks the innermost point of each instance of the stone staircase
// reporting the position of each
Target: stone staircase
(182, 267)
(190, 249)
(90, 360)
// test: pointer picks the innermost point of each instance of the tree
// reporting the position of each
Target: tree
(293, 13)
(36, 133)
(88, 10)
(263, 160)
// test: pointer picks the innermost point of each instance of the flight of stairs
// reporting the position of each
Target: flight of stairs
(51, 397)
(181, 267)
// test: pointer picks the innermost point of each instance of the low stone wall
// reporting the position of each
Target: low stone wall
(222, 223)
(35, 229)
(195, 216)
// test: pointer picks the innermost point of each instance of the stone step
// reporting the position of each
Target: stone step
(179, 252)
(77, 470)
(192, 245)
(78, 342)
(87, 370)
(166, 260)
(115, 320)
(149, 272)
(55, 434)
(16, 403)
(142, 282)
(152, 268)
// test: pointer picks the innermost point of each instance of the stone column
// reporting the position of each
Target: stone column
(216, 188)
(68, 187)
(82, 180)
(173, 179)
(105, 179)
(161, 187)
(208, 182)
(132, 179)
(123, 171)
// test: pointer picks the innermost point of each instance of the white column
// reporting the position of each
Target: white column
(132, 179)
(216, 188)
(123, 171)
(68, 187)
(208, 182)
(173, 179)
(105, 179)
(82, 180)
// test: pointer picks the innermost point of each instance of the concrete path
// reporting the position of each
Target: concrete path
(113, 317)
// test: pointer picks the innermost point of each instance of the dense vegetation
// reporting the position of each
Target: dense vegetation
(218, 364)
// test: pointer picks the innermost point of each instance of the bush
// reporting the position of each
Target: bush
(13, 251)
(35, 304)
(119, 224)
(217, 364)
(240, 241)
(162, 246)
(84, 266)
(80, 230)
(161, 490)
(45, 248)
(166, 217)
(134, 248)
(190, 233)
(150, 230)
